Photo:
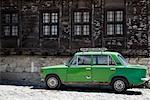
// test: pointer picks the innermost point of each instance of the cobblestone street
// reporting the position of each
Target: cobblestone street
(9, 92)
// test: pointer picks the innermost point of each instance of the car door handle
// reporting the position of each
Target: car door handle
(88, 68)
(112, 69)
(88, 77)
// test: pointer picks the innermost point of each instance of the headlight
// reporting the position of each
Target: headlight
(41, 71)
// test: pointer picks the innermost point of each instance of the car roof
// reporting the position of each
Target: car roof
(97, 53)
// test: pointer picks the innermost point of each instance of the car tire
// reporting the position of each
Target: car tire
(147, 84)
(53, 82)
(119, 85)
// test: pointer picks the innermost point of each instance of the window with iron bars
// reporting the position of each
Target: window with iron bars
(50, 24)
(114, 22)
(10, 24)
(81, 23)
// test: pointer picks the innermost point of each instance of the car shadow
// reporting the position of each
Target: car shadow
(104, 89)
(89, 89)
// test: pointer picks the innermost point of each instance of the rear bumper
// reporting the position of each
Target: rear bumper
(145, 79)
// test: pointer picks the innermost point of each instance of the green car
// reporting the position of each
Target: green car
(98, 68)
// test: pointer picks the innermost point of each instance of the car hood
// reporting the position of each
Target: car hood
(137, 66)
(56, 66)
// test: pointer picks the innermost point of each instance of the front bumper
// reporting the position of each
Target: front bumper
(145, 79)
(42, 77)
(42, 80)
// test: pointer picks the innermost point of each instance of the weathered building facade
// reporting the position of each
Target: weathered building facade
(55, 27)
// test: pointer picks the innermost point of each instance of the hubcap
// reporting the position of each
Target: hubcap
(52, 82)
(119, 85)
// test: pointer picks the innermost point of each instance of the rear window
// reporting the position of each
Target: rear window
(122, 59)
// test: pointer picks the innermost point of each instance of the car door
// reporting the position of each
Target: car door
(103, 67)
(80, 69)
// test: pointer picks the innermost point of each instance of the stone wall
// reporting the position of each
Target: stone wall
(33, 63)
(31, 38)
(24, 70)
(28, 63)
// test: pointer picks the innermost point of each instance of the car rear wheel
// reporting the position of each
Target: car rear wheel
(53, 82)
(119, 85)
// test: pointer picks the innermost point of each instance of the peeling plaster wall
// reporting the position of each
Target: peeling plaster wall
(28, 63)
(24, 70)
(34, 63)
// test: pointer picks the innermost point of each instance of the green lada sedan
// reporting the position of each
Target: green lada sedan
(96, 67)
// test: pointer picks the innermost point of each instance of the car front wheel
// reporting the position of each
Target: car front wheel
(119, 85)
(53, 82)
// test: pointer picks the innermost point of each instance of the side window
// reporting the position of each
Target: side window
(103, 60)
(111, 62)
(100, 60)
(84, 60)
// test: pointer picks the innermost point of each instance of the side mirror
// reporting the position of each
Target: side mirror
(66, 64)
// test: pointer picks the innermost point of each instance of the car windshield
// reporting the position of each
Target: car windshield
(71, 61)
(123, 60)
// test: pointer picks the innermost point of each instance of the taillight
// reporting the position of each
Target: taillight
(148, 66)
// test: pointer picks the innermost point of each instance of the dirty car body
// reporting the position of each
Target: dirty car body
(102, 68)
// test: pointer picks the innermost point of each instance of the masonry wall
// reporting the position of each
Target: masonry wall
(30, 39)
(134, 42)
(28, 63)
(34, 63)
(25, 69)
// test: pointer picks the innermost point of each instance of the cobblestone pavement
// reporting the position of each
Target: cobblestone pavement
(11, 92)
